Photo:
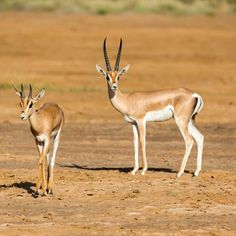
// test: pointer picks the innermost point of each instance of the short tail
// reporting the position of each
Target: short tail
(198, 106)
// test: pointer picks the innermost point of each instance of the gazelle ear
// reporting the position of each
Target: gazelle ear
(100, 70)
(124, 70)
(39, 95)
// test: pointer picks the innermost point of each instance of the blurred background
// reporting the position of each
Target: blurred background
(102, 7)
(168, 43)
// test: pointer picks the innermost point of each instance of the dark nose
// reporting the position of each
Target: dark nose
(22, 115)
(114, 86)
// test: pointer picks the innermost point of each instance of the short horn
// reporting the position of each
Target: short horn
(22, 91)
(118, 56)
(30, 92)
(106, 56)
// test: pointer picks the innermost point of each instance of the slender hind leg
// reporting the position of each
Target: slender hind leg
(52, 162)
(48, 161)
(136, 164)
(183, 127)
(199, 138)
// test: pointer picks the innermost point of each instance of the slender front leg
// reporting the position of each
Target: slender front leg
(136, 134)
(42, 162)
(38, 183)
(142, 138)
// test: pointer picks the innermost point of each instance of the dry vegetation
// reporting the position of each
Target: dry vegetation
(175, 7)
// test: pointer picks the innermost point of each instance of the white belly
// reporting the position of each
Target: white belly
(161, 115)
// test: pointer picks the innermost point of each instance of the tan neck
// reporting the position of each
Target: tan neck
(118, 100)
(32, 117)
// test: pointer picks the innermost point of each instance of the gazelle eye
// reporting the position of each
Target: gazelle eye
(31, 104)
(107, 78)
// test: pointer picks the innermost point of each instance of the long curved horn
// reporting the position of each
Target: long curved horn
(30, 92)
(106, 56)
(15, 88)
(118, 56)
(22, 91)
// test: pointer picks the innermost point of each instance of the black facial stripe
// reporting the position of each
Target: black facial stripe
(31, 104)
(108, 77)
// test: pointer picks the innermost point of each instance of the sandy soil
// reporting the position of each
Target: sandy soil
(94, 192)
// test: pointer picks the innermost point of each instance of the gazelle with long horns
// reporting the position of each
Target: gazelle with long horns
(141, 107)
(45, 124)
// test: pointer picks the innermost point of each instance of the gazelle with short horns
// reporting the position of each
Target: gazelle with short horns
(141, 107)
(45, 124)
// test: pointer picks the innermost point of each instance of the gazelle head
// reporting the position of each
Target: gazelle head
(112, 76)
(27, 102)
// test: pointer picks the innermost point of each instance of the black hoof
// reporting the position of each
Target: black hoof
(35, 194)
(44, 195)
(50, 191)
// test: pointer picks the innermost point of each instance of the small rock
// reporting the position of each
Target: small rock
(136, 191)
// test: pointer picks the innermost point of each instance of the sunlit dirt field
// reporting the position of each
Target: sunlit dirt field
(94, 192)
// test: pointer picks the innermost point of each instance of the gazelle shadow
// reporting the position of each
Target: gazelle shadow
(120, 169)
(23, 185)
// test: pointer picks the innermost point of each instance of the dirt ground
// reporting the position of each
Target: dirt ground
(94, 192)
